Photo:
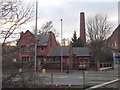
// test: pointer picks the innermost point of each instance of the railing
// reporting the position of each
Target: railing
(105, 85)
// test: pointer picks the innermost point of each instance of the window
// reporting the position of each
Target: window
(23, 48)
(32, 48)
(42, 49)
(27, 38)
(58, 59)
(31, 58)
(112, 44)
(52, 59)
(49, 39)
(25, 58)
(115, 43)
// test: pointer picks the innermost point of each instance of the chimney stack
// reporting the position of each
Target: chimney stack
(82, 28)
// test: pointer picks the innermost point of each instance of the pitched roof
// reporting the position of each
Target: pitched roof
(56, 51)
(116, 32)
(43, 39)
(81, 51)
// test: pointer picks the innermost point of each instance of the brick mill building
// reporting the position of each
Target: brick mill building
(82, 28)
(72, 56)
(49, 53)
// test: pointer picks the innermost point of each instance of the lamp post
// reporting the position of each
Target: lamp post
(35, 35)
(61, 48)
(35, 58)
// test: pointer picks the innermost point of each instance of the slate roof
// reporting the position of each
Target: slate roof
(43, 39)
(56, 51)
(79, 51)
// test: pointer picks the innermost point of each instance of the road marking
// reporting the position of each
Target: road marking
(79, 77)
(67, 77)
(62, 77)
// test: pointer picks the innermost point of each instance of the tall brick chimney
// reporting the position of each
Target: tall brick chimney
(82, 28)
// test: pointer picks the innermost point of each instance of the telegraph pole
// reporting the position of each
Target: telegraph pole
(61, 48)
(34, 74)
(36, 34)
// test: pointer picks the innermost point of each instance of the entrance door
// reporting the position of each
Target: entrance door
(83, 63)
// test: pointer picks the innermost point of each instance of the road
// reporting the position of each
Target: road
(75, 77)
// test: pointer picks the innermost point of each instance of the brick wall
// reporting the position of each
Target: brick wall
(26, 39)
(114, 40)
(82, 28)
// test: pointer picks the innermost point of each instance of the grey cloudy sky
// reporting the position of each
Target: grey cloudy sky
(69, 11)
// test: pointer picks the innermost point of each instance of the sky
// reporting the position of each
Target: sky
(69, 11)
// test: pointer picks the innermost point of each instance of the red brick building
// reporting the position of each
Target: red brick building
(114, 43)
(114, 40)
(72, 57)
(49, 53)
(26, 48)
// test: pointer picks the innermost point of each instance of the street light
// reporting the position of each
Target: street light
(35, 35)
(61, 48)
(35, 42)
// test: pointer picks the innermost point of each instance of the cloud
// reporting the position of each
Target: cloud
(70, 13)
(90, 0)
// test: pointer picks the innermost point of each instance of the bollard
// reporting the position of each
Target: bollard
(20, 70)
(43, 72)
(83, 77)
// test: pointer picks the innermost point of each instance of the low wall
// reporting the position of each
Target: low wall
(105, 68)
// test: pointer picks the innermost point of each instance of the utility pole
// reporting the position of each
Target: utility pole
(34, 73)
(61, 48)
(36, 34)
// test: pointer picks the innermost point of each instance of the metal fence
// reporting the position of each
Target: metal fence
(76, 77)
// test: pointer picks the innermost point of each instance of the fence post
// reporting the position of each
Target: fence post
(51, 79)
(98, 66)
(83, 77)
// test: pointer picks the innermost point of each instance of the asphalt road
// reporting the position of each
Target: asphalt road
(75, 78)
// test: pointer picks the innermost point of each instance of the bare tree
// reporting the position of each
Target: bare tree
(98, 29)
(13, 14)
(10, 68)
(63, 42)
(47, 27)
